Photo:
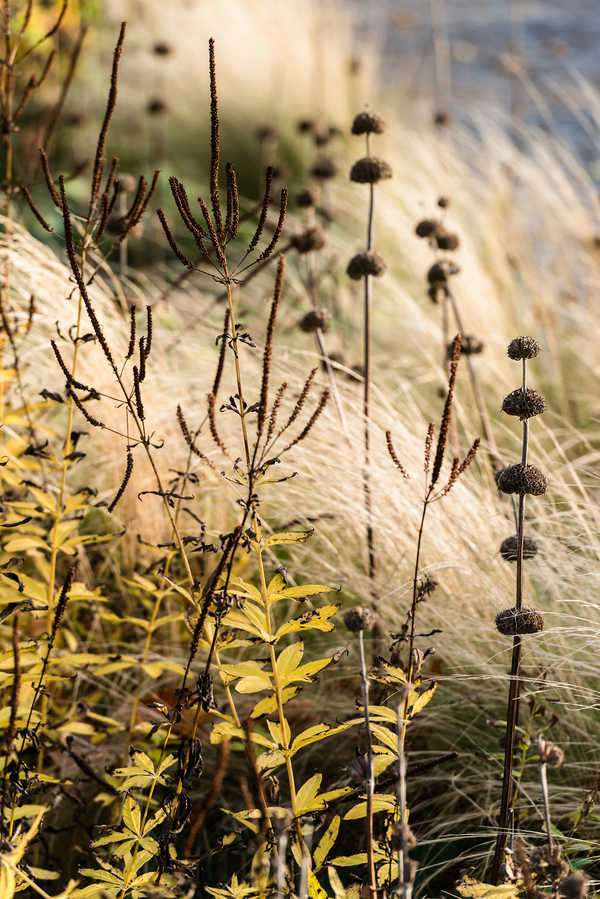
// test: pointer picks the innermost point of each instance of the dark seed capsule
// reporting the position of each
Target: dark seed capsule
(316, 319)
(551, 754)
(324, 168)
(368, 263)
(447, 241)
(440, 271)
(307, 198)
(426, 227)
(523, 348)
(525, 405)
(522, 479)
(368, 123)
(359, 619)
(509, 548)
(470, 346)
(370, 170)
(513, 622)
(309, 240)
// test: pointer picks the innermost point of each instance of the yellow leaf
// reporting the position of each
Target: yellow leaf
(284, 538)
(304, 673)
(474, 889)
(326, 842)
(290, 658)
(420, 700)
(268, 705)
(313, 619)
(308, 791)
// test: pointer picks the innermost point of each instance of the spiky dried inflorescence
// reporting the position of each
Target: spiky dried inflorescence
(521, 478)
(445, 422)
(307, 198)
(324, 168)
(368, 123)
(509, 548)
(110, 108)
(516, 622)
(525, 405)
(126, 477)
(551, 754)
(359, 619)
(394, 455)
(315, 320)
(370, 170)
(62, 602)
(523, 348)
(268, 352)
(471, 346)
(323, 399)
(366, 263)
(573, 886)
(309, 240)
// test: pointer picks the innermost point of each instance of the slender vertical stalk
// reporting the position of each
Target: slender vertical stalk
(545, 795)
(370, 774)
(512, 711)
(403, 888)
(367, 388)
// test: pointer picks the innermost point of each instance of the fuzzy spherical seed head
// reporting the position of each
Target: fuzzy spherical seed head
(321, 138)
(548, 864)
(573, 886)
(447, 241)
(156, 106)
(440, 271)
(470, 346)
(305, 126)
(525, 405)
(441, 118)
(523, 348)
(522, 479)
(519, 621)
(509, 548)
(265, 132)
(443, 202)
(161, 49)
(368, 123)
(315, 319)
(309, 240)
(368, 263)
(370, 170)
(426, 227)
(324, 168)
(359, 619)
(551, 754)
(306, 198)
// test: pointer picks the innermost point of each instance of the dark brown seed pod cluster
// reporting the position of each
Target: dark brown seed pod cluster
(370, 170)
(368, 123)
(324, 168)
(367, 263)
(573, 886)
(525, 405)
(359, 619)
(470, 346)
(311, 239)
(437, 234)
(315, 320)
(522, 479)
(509, 548)
(517, 622)
(307, 198)
(523, 348)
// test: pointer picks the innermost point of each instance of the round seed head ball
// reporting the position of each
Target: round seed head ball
(443, 202)
(305, 126)
(306, 198)
(522, 479)
(324, 168)
(309, 240)
(370, 170)
(334, 131)
(551, 754)
(127, 182)
(440, 271)
(321, 138)
(547, 863)
(470, 346)
(509, 548)
(316, 319)
(441, 119)
(525, 405)
(513, 622)
(265, 132)
(426, 227)
(161, 49)
(447, 241)
(523, 348)
(359, 619)
(573, 886)
(156, 106)
(368, 123)
(368, 263)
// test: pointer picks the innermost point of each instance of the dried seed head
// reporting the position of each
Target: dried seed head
(161, 49)
(369, 263)
(441, 119)
(370, 170)
(523, 348)
(470, 346)
(447, 241)
(368, 123)
(522, 479)
(551, 754)
(309, 240)
(513, 622)
(426, 227)
(573, 886)
(436, 292)
(307, 198)
(443, 202)
(315, 320)
(265, 132)
(525, 405)
(305, 126)
(547, 863)
(156, 106)
(324, 168)
(322, 138)
(509, 548)
(359, 619)
(441, 270)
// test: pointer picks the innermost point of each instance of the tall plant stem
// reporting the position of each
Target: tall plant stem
(512, 711)
(403, 889)
(370, 775)
(545, 795)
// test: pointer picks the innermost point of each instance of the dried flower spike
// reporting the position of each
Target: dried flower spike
(523, 348)
(367, 263)
(516, 622)
(509, 548)
(370, 170)
(525, 405)
(522, 479)
(368, 123)
(359, 619)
